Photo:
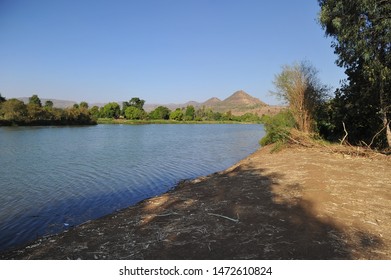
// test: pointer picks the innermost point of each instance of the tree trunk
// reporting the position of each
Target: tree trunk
(384, 108)
(388, 131)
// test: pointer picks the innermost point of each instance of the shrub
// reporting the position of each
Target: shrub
(278, 128)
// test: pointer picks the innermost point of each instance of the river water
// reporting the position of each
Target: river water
(52, 178)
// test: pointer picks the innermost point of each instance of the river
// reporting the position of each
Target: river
(52, 178)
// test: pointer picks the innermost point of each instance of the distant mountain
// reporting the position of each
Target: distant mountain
(241, 98)
(238, 101)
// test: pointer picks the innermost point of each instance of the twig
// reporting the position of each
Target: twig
(168, 214)
(225, 217)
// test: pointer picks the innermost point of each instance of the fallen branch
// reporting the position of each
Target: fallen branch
(346, 133)
(225, 217)
(384, 127)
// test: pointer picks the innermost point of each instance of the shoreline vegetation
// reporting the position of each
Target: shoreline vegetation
(139, 122)
(298, 203)
(14, 112)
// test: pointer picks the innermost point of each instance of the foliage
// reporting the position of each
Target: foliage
(94, 112)
(83, 104)
(137, 102)
(110, 110)
(362, 40)
(134, 113)
(134, 102)
(35, 100)
(299, 86)
(133, 110)
(277, 127)
(189, 113)
(160, 113)
(15, 112)
(176, 115)
(48, 104)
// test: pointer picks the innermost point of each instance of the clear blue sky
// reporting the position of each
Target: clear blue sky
(163, 51)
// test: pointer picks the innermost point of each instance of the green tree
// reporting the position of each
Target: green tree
(299, 86)
(189, 113)
(134, 113)
(361, 38)
(35, 100)
(48, 104)
(111, 110)
(137, 102)
(94, 112)
(176, 115)
(160, 113)
(83, 104)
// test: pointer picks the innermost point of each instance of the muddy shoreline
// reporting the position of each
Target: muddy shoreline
(299, 203)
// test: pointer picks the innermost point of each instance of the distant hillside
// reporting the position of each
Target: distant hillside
(211, 102)
(238, 103)
(56, 102)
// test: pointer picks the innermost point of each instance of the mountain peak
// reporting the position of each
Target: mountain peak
(243, 98)
(211, 101)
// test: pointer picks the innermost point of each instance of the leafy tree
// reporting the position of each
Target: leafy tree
(35, 113)
(134, 113)
(13, 110)
(125, 105)
(137, 102)
(94, 111)
(160, 113)
(189, 113)
(48, 104)
(35, 100)
(83, 104)
(176, 115)
(362, 40)
(111, 110)
(299, 86)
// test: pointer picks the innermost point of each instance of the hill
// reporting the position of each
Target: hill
(238, 103)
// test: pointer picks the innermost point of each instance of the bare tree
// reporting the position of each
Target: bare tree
(299, 86)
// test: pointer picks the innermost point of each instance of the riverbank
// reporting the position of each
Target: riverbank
(299, 203)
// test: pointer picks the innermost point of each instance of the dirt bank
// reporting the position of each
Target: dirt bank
(300, 203)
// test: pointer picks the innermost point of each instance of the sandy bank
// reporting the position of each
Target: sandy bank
(300, 203)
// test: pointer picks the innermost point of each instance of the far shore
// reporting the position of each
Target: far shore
(134, 122)
(298, 203)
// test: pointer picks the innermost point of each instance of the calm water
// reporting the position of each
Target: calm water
(54, 177)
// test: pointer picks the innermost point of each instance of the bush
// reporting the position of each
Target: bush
(277, 128)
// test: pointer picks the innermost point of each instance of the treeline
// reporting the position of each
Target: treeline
(16, 112)
(134, 110)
